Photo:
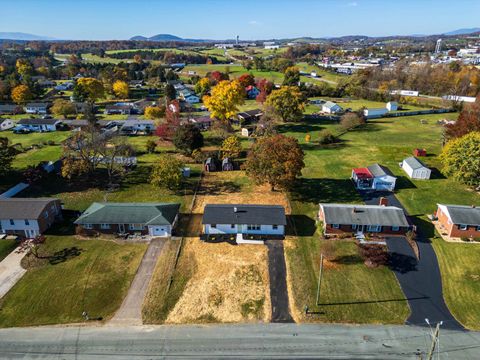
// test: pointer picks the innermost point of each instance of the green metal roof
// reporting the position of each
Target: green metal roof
(130, 213)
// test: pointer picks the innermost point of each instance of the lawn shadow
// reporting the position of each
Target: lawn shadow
(300, 225)
(188, 225)
(436, 174)
(298, 128)
(219, 188)
(401, 263)
(348, 259)
(425, 229)
(404, 182)
(324, 191)
(64, 255)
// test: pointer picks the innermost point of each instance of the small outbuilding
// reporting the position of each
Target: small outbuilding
(210, 165)
(392, 106)
(415, 169)
(227, 165)
(419, 152)
(6, 124)
(330, 107)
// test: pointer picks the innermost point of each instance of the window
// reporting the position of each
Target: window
(105, 226)
(374, 228)
(12, 222)
(27, 222)
(354, 226)
(253, 227)
(274, 227)
(463, 227)
(336, 226)
(135, 227)
(478, 228)
(395, 228)
(213, 226)
(232, 226)
(87, 226)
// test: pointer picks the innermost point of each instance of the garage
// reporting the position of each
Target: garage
(160, 231)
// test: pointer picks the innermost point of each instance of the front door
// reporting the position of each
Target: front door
(121, 228)
(360, 228)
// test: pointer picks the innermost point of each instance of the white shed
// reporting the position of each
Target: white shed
(392, 106)
(374, 113)
(415, 168)
(6, 124)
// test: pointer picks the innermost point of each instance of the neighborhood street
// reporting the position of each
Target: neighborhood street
(252, 341)
(420, 279)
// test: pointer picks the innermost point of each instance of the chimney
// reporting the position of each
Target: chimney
(235, 209)
(383, 201)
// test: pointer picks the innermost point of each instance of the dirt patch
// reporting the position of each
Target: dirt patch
(233, 187)
(230, 284)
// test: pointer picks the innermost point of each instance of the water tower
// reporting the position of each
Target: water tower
(438, 47)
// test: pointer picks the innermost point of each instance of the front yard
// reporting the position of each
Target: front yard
(76, 276)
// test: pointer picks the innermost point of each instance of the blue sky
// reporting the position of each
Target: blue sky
(221, 19)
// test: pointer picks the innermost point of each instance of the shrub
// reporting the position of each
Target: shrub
(326, 137)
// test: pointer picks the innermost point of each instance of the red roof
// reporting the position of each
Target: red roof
(363, 173)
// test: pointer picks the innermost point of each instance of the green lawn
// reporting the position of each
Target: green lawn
(235, 71)
(326, 178)
(80, 275)
(6, 247)
(36, 138)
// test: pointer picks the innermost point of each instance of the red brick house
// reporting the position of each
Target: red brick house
(340, 219)
(459, 221)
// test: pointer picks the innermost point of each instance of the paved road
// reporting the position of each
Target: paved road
(420, 280)
(10, 271)
(278, 282)
(130, 312)
(252, 341)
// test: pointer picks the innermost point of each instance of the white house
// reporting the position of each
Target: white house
(330, 107)
(36, 108)
(375, 113)
(134, 126)
(28, 217)
(392, 106)
(6, 124)
(374, 177)
(266, 220)
(38, 125)
(415, 169)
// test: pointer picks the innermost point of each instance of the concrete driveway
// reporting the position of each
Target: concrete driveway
(10, 272)
(130, 312)
(420, 279)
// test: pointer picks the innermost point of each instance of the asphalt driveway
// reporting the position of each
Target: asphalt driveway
(277, 271)
(420, 280)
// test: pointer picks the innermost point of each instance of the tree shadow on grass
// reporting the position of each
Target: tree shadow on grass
(219, 188)
(303, 128)
(64, 255)
(425, 229)
(353, 259)
(300, 225)
(324, 191)
(402, 263)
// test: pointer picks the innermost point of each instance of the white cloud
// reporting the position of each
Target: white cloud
(352, 4)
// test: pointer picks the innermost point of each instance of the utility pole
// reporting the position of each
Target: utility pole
(320, 278)
(434, 341)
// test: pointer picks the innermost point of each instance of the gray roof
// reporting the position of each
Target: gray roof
(245, 214)
(23, 208)
(37, 121)
(465, 215)
(331, 105)
(250, 113)
(379, 170)
(130, 213)
(348, 214)
(36, 105)
(414, 163)
(133, 122)
(8, 107)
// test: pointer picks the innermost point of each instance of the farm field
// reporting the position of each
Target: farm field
(235, 71)
(326, 179)
(74, 276)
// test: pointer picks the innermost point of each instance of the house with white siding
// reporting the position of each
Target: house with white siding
(231, 219)
(28, 217)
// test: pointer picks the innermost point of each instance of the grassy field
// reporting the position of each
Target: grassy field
(235, 71)
(77, 276)
(326, 179)
(6, 247)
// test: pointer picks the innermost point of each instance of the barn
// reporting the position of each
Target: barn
(415, 169)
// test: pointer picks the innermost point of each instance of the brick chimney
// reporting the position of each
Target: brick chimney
(383, 201)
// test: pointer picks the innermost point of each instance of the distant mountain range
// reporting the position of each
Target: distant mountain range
(23, 36)
(166, 37)
(463, 31)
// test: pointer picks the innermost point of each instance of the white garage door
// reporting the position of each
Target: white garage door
(159, 231)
